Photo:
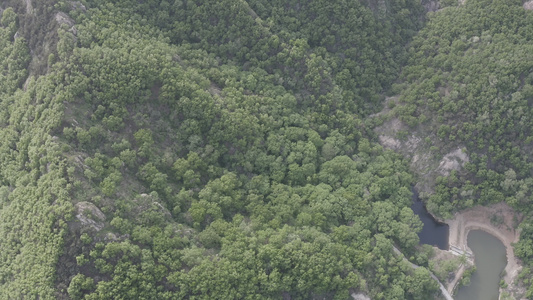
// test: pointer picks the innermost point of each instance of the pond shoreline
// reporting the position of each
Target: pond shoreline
(490, 259)
(498, 220)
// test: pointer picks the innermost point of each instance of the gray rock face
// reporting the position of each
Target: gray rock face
(89, 215)
(360, 296)
(78, 5)
(62, 18)
(432, 6)
(454, 160)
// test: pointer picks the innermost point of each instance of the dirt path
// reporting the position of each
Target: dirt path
(502, 226)
(443, 289)
(451, 286)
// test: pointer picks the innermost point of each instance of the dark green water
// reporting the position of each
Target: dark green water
(433, 233)
(490, 261)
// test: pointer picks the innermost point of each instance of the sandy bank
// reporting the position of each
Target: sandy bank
(498, 220)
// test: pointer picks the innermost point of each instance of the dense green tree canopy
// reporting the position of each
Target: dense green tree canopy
(224, 150)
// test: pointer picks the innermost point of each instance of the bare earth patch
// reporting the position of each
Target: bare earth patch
(528, 5)
(498, 220)
(458, 275)
(389, 142)
(424, 161)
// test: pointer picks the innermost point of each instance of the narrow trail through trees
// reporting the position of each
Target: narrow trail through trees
(442, 287)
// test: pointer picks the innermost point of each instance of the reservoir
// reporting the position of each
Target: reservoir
(490, 261)
(433, 232)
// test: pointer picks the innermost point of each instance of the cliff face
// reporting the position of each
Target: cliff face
(38, 26)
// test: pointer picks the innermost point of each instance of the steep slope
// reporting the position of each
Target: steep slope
(194, 150)
(468, 88)
(470, 84)
(35, 200)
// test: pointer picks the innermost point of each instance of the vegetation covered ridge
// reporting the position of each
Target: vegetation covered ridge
(468, 84)
(211, 150)
(35, 205)
(226, 149)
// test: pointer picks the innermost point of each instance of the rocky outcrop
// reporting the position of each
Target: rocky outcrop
(426, 161)
(431, 6)
(360, 296)
(454, 160)
(62, 18)
(90, 216)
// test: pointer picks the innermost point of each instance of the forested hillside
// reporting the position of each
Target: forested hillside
(205, 150)
(223, 150)
(469, 83)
